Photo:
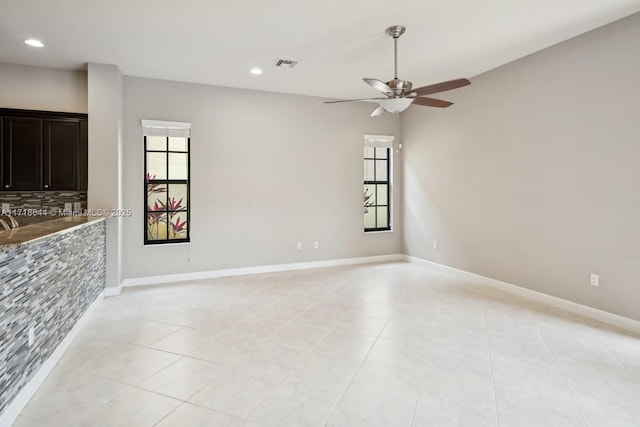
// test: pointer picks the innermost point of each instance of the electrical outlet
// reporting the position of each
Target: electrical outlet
(68, 207)
(6, 208)
(299, 245)
(32, 335)
(595, 280)
(435, 245)
(315, 245)
(77, 206)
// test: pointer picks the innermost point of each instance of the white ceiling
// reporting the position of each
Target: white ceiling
(337, 42)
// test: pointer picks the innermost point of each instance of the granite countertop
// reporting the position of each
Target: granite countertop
(35, 231)
(28, 220)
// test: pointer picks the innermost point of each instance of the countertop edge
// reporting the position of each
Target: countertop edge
(92, 221)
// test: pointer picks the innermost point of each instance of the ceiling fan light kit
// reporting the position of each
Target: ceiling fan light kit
(399, 94)
(395, 105)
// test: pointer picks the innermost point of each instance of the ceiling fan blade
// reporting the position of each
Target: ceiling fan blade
(378, 85)
(353, 100)
(441, 87)
(377, 111)
(432, 102)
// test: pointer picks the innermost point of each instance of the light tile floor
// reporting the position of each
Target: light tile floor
(393, 344)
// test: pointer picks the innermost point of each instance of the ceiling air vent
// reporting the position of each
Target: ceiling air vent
(285, 63)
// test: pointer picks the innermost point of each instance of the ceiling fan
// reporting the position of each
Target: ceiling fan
(398, 93)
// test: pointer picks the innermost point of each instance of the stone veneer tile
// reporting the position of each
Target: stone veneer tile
(47, 284)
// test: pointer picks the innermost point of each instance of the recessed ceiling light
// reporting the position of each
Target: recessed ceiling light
(256, 71)
(34, 43)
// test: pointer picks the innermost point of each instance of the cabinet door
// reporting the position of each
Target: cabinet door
(84, 143)
(22, 153)
(61, 154)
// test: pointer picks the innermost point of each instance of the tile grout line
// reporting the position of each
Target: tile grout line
(285, 377)
(564, 378)
(170, 412)
(613, 353)
(355, 373)
(423, 375)
(94, 373)
(245, 419)
(225, 370)
(424, 370)
(493, 381)
(129, 387)
(329, 330)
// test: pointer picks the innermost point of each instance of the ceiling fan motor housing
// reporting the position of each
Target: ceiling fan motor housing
(399, 87)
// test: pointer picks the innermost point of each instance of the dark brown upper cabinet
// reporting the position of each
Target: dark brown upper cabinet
(43, 151)
(21, 153)
(61, 153)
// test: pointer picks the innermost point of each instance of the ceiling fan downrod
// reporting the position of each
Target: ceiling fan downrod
(395, 31)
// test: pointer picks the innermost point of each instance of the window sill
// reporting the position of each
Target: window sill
(165, 245)
(378, 232)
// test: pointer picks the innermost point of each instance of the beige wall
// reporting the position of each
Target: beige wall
(268, 170)
(36, 88)
(105, 99)
(533, 177)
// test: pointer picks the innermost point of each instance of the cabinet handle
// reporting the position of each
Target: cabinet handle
(46, 186)
(6, 186)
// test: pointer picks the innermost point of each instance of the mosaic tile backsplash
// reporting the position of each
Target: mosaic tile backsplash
(47, 284)
(40, 201)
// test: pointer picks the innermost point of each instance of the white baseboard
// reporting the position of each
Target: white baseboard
(593, 313)
(112, 291)
(170, 278)
(583, 310)
(13, 410)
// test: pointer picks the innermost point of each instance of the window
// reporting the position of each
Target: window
(377, 182)
(166, 182)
